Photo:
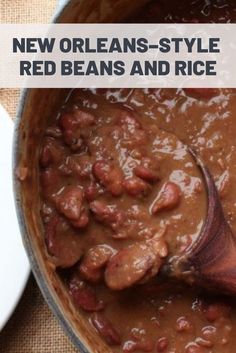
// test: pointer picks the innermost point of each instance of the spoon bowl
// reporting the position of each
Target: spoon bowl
(210, 261)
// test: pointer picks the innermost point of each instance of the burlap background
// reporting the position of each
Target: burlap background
(32, 328)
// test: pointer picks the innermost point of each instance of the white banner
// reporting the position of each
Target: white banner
(118, 55)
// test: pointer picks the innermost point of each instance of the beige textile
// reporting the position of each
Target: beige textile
(32, 328)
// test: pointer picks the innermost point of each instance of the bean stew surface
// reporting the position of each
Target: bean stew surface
(121, 195)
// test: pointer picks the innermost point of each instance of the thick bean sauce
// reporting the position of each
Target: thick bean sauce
(121, 195)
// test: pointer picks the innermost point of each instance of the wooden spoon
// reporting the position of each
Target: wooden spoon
(211, 260)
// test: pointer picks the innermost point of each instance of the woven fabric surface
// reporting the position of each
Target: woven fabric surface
(32, 328)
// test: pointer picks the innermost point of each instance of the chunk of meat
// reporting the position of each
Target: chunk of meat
(84, 296)
(94, 261)
(136, 187)
(110, 176)
(69, 202)
(108, 215)
(106, 329)
(167, 199)
(130, 266)
(62, 242)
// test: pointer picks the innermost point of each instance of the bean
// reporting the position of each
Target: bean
(108, 215)
(82, 222)
(62, 242)
(206, 93)
(106, 329)
(84, 296)
(162, 344)
(216, 311)
(194, 348)
(146, 173)
(167, 199)
(143, 345)
(109, 176)
(183, 324)
(69, 202)
(136, 187)
(94, 261)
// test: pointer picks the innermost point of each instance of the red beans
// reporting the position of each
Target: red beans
(194, 348)
(136, 187)
(168, 198)
(109, 176)
(146, 173)
(84, 296)
(69, 202)
(106, 329)
(183, 324)
(94, 261)
(62, 242)
(162, 344)
(133, 346)
(216, 311)
(130, 265)
(202, 92)
(108, 215)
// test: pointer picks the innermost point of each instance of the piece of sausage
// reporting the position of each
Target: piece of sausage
(110, 176)
(69, 202)
(62, 242)
(94, 261)
(106, 329)
(167, 199)
(130, 266)
(84, 296)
